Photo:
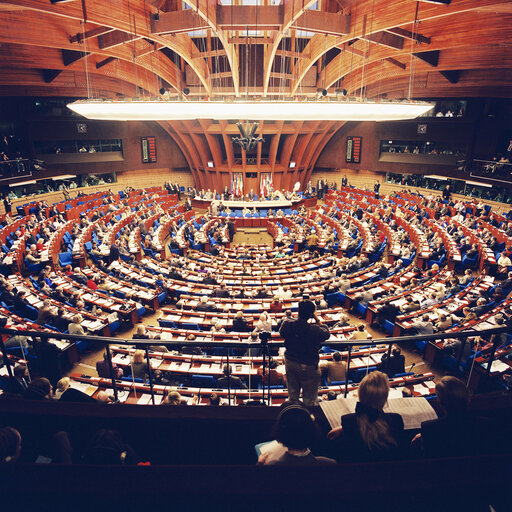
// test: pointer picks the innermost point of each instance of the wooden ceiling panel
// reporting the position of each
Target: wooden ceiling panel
(143, 45)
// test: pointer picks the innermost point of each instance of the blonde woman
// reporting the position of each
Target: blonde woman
(172, 398)
(138, 365)
(370, 433)
(264, 323)
(62, 386)
(75, 326)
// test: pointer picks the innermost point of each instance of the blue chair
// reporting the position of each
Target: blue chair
(361, 309)
(65, 258)
(82, 345)
(359, 374)
(114, 326)
(30, 312)
(339, 382)
(190, 327)
(166, 323)
(332, 299)
(203, 381)
(132, 379)
(388, 326)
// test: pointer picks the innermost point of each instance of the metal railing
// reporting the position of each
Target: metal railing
(264, 346)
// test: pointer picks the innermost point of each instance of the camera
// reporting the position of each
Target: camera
(264, 336)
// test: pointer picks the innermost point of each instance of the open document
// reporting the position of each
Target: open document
(414, 410)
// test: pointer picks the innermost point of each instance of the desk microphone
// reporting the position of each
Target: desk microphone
(412, 366)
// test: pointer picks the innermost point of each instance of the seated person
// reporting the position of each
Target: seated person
(370, 434)
(39, 389)
(276, 377)
(103, 368)
(336, 369)
(191, 349)
(297, 432)
(138, 366)
(239, 323)
(21, 380)
(394, 364)
(172, 398)
(108, 448)
(276, 306)
(360, 334)
(10, 445)
(230, 380)
(456, 433)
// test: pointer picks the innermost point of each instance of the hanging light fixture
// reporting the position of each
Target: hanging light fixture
(309, 110)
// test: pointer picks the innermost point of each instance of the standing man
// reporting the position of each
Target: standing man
(376, 188)
(302, 341)
(319, 188)
(447, 193)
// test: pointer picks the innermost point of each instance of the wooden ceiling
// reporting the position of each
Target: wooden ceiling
(369, 48)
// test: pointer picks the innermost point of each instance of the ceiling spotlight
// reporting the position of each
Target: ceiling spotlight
(321, 93)
(341, 92)
(186, 91)
(161, 91)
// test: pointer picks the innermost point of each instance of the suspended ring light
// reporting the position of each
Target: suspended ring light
(330, 110)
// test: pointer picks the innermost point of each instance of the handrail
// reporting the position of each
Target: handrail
(145, 344)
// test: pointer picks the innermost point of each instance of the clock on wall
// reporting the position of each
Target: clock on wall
(81, 127)
(422, 129)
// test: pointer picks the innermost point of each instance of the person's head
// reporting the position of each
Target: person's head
(77, 319)
(373, 394)
(107, 447)
(306, 309)
(214, 399)
(226, 370)
(103, 397)
(141, 329)
(239, 314)
(20, 371)
(39, 389)
(10, 445)
(296, 428)
(396, 351)
(360, 327)
(63, 384)
(173, 398)
(425, 318)
(336, 356)
(373, 390)
(138, 356)
(452, 394)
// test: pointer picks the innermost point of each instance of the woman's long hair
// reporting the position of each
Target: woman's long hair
(373, 394)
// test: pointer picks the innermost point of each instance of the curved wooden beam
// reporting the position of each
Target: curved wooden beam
(293, 9)
(207, 9)
(130, 18)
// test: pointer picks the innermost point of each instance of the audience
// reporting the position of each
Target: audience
(456, 432)
(370, 434)
(297, 432)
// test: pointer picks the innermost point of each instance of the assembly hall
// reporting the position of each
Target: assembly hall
(256, 255)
